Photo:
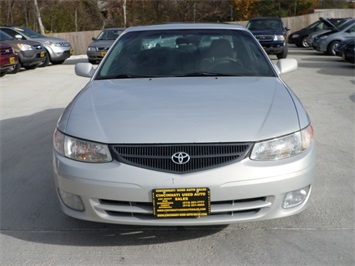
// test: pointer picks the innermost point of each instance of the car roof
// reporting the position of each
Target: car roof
(178, 26)
(265, 18)
(114, 29)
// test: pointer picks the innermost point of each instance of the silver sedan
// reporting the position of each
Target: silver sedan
(196, 131)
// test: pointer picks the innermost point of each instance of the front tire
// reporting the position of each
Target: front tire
(30, 67)
(92, 61)
(45, 61)
(304, 42)
(331, 47)
(57, 62)
(283, 54)
(16, 69)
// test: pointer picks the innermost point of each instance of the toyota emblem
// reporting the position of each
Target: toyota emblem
(180, 158)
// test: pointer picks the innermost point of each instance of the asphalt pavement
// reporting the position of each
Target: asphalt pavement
(34, 231)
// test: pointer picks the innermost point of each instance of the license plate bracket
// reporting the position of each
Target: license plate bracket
(181, 202)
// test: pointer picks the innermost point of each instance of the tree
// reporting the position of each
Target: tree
(243, 9)
(82, 15)
(38, 15)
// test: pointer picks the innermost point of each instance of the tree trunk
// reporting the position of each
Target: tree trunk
(38, 14)
(124, 13)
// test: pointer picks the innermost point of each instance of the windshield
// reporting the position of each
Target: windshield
(4, 36)
(29, 33)
(346, 24)
(109, 34)
(264, 24)
(180, 53)
(316, 24)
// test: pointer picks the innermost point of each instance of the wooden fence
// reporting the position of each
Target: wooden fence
(81, 40)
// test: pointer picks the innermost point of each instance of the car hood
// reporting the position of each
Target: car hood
(181, 110)
(328, 23)
(50, 39)
(319, 33)
(101, 43)
(15, 42)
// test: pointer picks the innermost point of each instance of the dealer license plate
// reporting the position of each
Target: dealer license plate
(181, 202)
(103, 54)
(12, 60)
(42, 54)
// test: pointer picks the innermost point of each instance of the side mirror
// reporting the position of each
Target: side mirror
(18, 37)
(287, 29)
(286, 65)
(84, 70)
(93, 39)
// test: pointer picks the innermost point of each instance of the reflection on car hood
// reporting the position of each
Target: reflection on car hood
(50, 39)
(181, 110)
(101, 43)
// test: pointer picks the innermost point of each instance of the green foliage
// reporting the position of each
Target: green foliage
(82, 15)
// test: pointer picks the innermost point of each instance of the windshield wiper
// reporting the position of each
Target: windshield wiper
(126, 76)
(207, 74)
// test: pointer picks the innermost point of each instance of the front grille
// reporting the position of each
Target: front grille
(103, 48)
(63, 44)
(264, 37)
(6, 50)
(38, 47)
(160, 157)
(238, 209)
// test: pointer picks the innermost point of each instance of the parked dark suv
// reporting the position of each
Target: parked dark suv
(58, 50)
(8, 58)
(271, 33)
(30, 54)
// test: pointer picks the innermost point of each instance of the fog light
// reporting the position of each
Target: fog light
(71, 201)
(295, 198)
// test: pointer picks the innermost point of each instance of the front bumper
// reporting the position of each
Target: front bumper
(322, 46)
(96, 55)
(8, 62)
(59, 53)
(273, 47)
(293, 40)
(31, 58)
(243, 191)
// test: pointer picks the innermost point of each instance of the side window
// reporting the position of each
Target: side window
(12, 33)
(351, 29)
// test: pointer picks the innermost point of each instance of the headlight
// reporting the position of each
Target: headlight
(323, 37)
(24, 47)
(80, 150)
(53, 43)
(295, 35)
(91, 49)
(279, 38)
(283, 147)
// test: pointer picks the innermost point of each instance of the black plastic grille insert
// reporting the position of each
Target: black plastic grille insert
(159, 156)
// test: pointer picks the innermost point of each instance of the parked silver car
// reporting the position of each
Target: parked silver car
(329, 25)
(100, 45)
(184, 134)
(328, 42)
(58, 50)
